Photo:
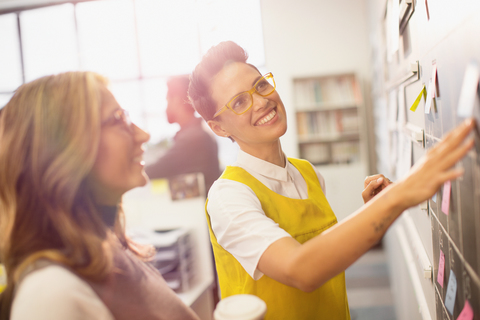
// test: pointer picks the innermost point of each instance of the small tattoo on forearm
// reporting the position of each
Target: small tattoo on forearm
(379, 227)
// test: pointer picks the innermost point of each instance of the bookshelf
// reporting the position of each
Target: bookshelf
(328, 116)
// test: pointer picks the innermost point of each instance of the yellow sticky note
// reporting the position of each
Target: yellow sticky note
(159, 186)
(3, 278)
(417, 101)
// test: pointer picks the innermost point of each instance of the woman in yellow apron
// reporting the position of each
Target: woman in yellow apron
(273, 232)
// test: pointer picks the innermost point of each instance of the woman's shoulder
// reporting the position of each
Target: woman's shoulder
(50, 276)
(226, 185)
(52, 291)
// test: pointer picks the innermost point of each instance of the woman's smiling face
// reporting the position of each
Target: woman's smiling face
(264, 122)
(119, 164)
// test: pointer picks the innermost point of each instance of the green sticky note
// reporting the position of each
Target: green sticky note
(417, 101)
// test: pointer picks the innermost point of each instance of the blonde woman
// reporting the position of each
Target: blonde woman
(273, 232)
(68, 152)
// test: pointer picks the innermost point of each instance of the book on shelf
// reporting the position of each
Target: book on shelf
(329, 125)
(302, 129)
(315, 153)
(350, 121)
(328, 118)
(345, 152)
(314, 93)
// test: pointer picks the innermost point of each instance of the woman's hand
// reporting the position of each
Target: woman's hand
(373, 185)
(437, 166)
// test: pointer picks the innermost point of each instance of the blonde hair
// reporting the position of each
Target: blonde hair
(49, 136)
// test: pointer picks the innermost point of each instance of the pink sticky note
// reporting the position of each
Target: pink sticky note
(467, 312)
(446, 196)
(441, 269)
(434, 79)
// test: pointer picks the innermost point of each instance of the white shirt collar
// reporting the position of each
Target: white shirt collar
(262, 167)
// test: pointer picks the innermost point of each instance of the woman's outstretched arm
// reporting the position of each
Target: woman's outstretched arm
(307, 266)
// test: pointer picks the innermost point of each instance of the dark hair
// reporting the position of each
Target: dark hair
(212, 62)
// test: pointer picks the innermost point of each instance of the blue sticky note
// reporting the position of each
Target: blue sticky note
(451, 292)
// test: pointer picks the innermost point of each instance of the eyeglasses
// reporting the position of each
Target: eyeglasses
(119, 116)
(242, 102)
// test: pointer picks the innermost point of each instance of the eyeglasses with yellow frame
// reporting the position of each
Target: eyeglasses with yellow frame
(242, 102)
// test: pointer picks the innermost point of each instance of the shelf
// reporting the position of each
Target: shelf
(328, 106)
(328, 118)
(190, 296)
(330, 138)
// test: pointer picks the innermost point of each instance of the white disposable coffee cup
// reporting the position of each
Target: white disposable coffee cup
(240, 307)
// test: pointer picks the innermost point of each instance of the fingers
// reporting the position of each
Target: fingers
(456, 136)
(386, 182)
(461, 131)
(373, 178)
(457, 154)
(372, 189)
(371, 186)
(450, 150)
(369, 179)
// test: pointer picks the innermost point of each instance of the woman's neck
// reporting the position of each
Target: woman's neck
(272, 152)
(108, 214)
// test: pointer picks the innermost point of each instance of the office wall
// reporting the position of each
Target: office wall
(439, 34)
(313, 37)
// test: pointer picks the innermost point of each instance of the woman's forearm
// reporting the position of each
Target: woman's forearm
(330, 253)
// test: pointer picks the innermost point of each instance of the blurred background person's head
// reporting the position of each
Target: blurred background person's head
(179, 109)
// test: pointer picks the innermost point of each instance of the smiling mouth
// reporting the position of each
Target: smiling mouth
(267, 118)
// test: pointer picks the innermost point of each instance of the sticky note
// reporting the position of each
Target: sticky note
(441, 269)
(159, 186)
(417, 101)
(468, 92)
(446, 196)
(434, 79)
(451, 292)
(434, 198)
(428, 101)
(467, 312)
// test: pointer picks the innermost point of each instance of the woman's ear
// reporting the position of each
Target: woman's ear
(217, 128)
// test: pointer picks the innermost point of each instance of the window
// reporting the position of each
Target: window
(10, 60)
(137, 44)
(48, 41)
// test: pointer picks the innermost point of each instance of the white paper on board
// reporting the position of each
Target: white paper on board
(404, 160)
(451, 292)
(469, 90)
(428, 103)
(393, 28)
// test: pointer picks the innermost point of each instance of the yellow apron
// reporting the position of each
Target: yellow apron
(303, 220)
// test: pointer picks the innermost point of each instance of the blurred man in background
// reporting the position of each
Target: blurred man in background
(194, 148)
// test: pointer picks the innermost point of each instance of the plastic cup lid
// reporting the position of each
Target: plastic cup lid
(240, 307)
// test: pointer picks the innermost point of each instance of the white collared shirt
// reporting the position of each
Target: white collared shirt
(237, 219)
